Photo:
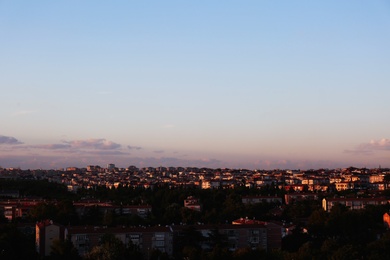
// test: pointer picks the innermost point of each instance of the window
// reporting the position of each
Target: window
(159, 244)
(81, 237)
(159, 236)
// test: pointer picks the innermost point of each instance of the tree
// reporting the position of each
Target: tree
(64, 250)
(133, 252)
(44, 211)
(16, 245)
(317, 222)
(111, 248)
(379, 249)
(188, 243)
(66, 213)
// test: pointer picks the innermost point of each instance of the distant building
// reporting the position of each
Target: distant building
(352, 203)
(110, 166)
(299, 196)
(9, 193)
(92, 168)
(142, 211)
(261, 199)
(192, 203)
(386, 220)
(72, 169)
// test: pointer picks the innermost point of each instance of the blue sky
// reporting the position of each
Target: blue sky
(240, 84)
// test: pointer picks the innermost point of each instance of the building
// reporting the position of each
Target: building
(17, 208)
(46, 232)
(386, 220)
(261, 199)
(352, 203)
(253, 235)
(147, 238)
(299, 196)
(192, 203)
(110, 166)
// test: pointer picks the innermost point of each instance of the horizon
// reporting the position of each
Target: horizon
(254, 85)
(85, 167)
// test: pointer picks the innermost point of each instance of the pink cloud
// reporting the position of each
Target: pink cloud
(373, 145)
(98, 144)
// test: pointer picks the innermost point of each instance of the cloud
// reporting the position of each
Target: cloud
(383, 144)
(24, 112)
(107, 152)
(51, 146)
(134, 147)
(159, 151)
(98, 144)
(168, 126)
(91, 146)
(374, 145)
(9, 140)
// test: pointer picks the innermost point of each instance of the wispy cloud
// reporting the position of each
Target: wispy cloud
(158, 151)
(134, 147)
(9, 140)
(89, 145)
(372, 146)
(51, 146)
(99, 144)
(24, 112)
(168, 126)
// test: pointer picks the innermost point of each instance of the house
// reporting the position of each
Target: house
(192, 203)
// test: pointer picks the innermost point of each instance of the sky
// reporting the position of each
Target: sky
(230, 84)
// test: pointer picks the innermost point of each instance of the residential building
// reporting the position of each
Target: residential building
(46, 232)
(352, 203)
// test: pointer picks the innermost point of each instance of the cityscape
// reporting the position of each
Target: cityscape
(173, 212)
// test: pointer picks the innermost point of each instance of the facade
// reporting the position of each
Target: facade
(260, 199)
(17, 208)
(147, 238)
(238, 236)
(299, 196)
(386, 220)
(140, 210)
(352, 203)
(258, 234)
(192, 203)
(46, 232)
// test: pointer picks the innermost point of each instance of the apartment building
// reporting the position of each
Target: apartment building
(352, 203)
(46, 232)
(147, 238)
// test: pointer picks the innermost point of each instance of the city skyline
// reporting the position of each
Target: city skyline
(249, 84)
